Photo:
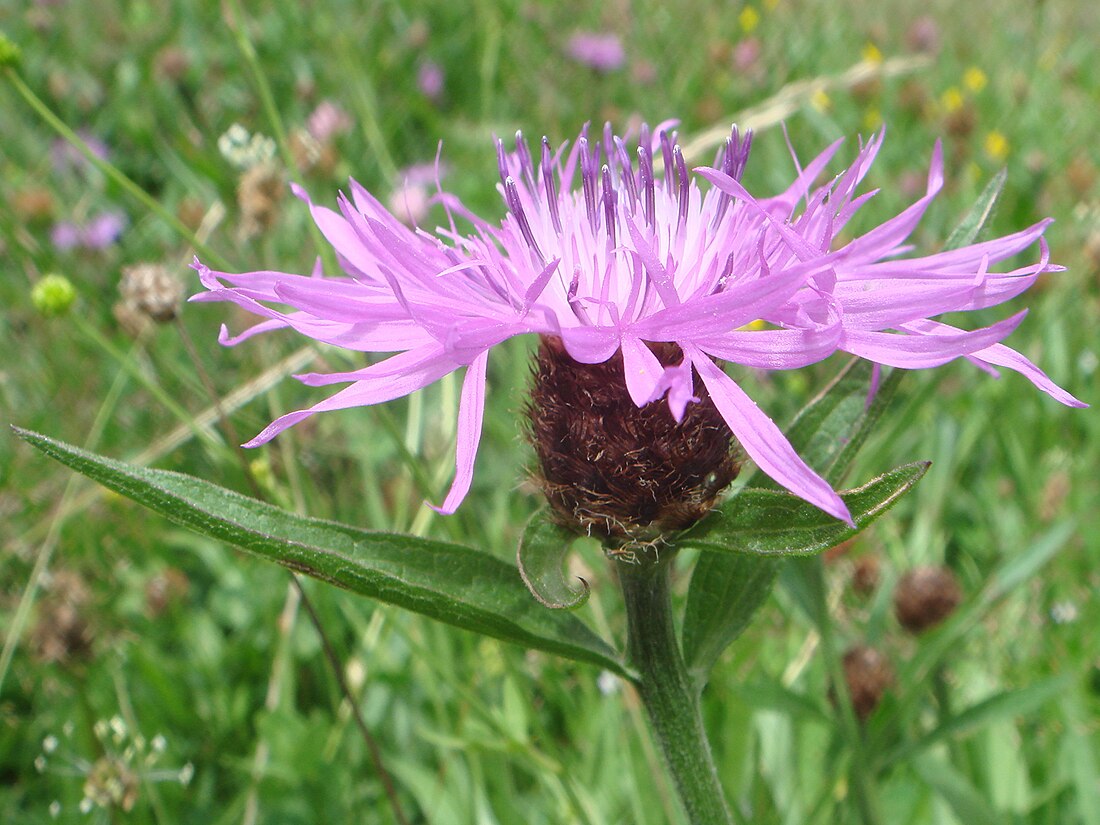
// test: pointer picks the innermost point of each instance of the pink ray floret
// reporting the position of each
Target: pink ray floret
(639, 253)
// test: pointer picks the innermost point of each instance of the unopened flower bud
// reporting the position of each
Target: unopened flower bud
(53, 295)
(615, 470)
(925, 596)
(869, 675)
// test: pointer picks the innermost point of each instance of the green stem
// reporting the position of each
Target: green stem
(667, 691)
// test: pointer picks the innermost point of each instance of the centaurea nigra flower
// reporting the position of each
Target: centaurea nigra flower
(650, 282)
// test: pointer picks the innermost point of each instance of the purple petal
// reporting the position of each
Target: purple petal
(775, 349)
(679, 383)
(642, 369)
(370, 388)
(471, 412)
(1007, 357)
(763, 440)
(918, 351)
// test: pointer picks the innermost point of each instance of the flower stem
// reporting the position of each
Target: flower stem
(667, 691)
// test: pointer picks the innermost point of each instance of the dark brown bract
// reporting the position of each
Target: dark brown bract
(614, 470)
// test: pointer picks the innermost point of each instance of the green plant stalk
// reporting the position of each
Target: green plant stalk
(667, 690)
(862, 781)
(112, 171)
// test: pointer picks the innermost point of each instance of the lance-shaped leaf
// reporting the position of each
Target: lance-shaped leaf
(770, 523)
(542, 551)
(742, 542)
(973, 221)
(829, 431)
(459, 585)
(726, 591)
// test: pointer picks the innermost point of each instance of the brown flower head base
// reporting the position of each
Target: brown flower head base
(611, 469)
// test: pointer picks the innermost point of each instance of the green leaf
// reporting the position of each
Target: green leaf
(771, 523)
(742, 541)
(774, 696)
(965, 800)
(1008, 704)
(725, 593)
(829, 431)
(974, 220)
(938, 644)
(458, 585)
(542, 551)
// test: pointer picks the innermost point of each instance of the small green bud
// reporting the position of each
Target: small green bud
(10, 53)
(53, 295)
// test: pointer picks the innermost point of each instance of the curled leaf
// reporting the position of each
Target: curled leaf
(542, 551)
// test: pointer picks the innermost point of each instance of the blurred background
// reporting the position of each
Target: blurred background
(149, 675)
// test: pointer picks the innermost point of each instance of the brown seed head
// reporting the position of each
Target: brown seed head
(869, 675)
(865, 574)
(62, 633)
(925, 596)
(259, 193)
(151, 290)
(617, 471)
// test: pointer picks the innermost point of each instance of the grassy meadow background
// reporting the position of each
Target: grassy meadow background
(992, 718)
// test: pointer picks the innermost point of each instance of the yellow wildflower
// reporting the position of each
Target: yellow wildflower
(975, 79)
(749, 19)
(951, 100)
(996, 146)
(872, 54)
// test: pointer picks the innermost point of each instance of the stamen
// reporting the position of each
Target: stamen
(627, 173)
(516, 207)
(727, 271)
(524, 155)
(548, 184)
(645, 173)
(610, 196)
(666, 154)
(589, 183)
(682, 182)
(740, 153)
(502, 161)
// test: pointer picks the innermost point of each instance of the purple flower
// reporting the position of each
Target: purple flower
(412, 197)
(602, 52)
(97, 233)
(66, 158)
(630, 259)
(429, 79)
(327, 121)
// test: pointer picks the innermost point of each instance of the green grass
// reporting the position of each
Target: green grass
(473, 730)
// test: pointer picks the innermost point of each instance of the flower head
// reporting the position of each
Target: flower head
(646, 268)
(99, 232)
(597, 50)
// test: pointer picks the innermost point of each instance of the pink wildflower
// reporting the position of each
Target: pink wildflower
(628, 262)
